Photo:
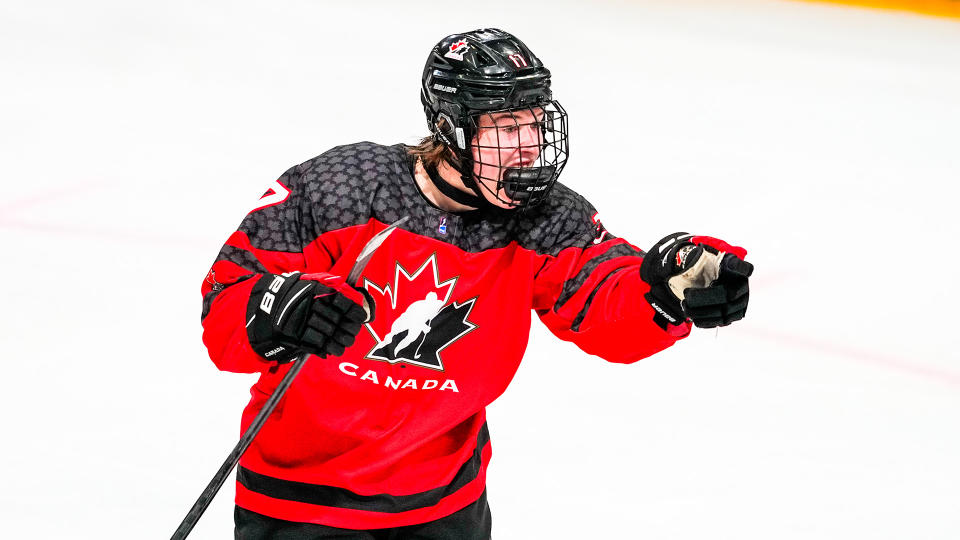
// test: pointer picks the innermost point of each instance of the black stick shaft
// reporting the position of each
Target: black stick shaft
(199, 507)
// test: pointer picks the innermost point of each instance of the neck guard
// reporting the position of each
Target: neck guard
(462, 197)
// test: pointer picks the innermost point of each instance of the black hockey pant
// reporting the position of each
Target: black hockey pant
(470, 523)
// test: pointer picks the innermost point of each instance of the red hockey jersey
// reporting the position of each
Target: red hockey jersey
(393, 432)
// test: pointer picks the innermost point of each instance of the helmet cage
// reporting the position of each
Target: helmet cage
(516, 154)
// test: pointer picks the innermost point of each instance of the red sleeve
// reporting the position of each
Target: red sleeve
(593, 297)
(270, 239)
(225, 333)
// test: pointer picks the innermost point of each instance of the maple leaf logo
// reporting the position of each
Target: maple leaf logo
(415, 319)
(457, 49)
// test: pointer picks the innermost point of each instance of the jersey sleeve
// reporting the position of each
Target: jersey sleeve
(270, 239)
(589, 292)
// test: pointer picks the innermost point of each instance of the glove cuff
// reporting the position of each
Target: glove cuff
(260, 311)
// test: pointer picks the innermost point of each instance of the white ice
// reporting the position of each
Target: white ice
(824, 139)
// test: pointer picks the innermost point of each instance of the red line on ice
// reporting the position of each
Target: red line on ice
(866, 357)
(50, 195)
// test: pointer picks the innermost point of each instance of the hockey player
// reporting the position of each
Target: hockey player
(384, 433)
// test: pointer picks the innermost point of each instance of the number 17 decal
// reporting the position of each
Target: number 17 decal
(275, 195)
(518, 60)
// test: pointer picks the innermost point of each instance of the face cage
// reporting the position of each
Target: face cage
(517, 154)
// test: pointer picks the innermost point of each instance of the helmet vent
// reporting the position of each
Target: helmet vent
(483, 90)
(484, 59)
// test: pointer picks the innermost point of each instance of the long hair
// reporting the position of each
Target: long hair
(432, 151)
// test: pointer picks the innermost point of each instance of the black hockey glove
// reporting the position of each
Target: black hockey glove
(316, 313)
(698, 278)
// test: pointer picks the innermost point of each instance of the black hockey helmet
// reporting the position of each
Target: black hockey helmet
(488, 72)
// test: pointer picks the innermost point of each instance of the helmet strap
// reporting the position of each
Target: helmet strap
(452, 192)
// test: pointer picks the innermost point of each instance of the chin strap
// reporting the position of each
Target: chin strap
(462, 197)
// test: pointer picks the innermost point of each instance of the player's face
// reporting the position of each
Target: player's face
(505, 139)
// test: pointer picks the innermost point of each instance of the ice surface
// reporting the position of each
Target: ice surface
(824, 139)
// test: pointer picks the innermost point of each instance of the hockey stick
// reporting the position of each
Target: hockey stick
(199, 507)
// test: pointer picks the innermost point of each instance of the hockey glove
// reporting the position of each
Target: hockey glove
(315, 313)
(698, 278)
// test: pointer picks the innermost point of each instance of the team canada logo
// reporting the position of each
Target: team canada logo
(415, 318)
(457, 49)
(682, 255)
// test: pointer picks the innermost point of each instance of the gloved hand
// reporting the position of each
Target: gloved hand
(698, 278)
(294, 313)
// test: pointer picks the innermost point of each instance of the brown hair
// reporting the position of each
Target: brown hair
(432, 151)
